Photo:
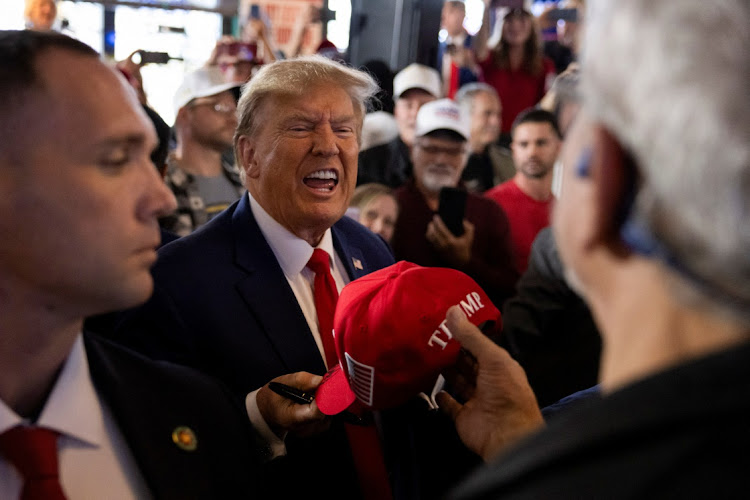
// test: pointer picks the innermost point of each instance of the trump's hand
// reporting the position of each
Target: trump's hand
(500, 406)
(283, 415)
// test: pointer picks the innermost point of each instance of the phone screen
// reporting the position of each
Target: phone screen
(451, 208)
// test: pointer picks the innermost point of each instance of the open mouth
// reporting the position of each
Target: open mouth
(323, 180)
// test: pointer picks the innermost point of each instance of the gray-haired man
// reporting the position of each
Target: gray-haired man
(652, 225)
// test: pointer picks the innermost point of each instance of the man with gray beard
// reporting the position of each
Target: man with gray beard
(421, 236)
(652, 224)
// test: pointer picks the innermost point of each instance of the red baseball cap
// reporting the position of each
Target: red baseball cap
(390, 334)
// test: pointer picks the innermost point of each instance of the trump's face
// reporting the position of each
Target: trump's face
(301, 164)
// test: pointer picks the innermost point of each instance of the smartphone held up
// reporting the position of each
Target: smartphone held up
(451, 208)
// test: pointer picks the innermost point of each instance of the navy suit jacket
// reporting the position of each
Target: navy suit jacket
(222, 305)
(149, 400)
(221, 302)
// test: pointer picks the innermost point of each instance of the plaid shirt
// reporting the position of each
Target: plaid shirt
(191, 210)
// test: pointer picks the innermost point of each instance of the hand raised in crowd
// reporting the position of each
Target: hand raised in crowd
(500, 406)
(132, 72)
(544, 19)
(457, 249)
(254, 30)
(283, 415)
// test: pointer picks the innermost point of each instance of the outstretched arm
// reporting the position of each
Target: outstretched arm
(500, 406)
(481, 39)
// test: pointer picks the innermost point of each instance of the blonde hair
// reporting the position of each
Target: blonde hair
(291, 77)
(366, 193)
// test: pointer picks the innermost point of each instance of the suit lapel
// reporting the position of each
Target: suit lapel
(151, 401)
(269, 297)
(351, 255)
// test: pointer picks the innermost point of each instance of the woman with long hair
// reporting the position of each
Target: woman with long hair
(516, 66)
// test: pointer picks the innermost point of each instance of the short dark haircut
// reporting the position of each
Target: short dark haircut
(536, 115)
(18, 53)
(19, 77)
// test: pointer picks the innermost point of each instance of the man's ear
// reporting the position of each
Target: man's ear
(246, 160)
(612, 172)
(180, 118)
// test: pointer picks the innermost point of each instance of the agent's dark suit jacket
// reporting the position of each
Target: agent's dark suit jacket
(223, 306)
(680, 433)
(149, 400)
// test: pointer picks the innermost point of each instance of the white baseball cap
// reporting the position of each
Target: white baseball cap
(443, 114)
(417, 76)
(203, 82)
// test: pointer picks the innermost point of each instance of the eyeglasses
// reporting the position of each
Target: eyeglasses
(219, 107)
(436, 150)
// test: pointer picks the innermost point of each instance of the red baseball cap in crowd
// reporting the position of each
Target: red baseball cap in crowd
(391, 335)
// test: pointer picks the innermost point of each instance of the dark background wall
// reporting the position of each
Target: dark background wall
(398, 32)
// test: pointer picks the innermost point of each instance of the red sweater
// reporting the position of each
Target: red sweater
(518, 90)
(526, 217)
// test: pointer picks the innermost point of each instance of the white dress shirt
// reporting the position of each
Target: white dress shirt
(94, 459)
(292, 254)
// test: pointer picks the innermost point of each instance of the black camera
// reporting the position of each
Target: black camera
(143, 57)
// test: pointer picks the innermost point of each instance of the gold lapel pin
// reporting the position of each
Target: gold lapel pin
(357, 264)
(184, 438)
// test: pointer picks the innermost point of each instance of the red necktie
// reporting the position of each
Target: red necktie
(33, 451)
(326, 294)
(363, 440)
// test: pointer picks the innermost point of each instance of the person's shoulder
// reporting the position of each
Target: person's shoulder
(501, 190)
(103, 352)
(192, 251)
(407, 194)
(116, 367)
(353, 229)
(375, 152)
(371, 162)
(349, 225)
(483, 203)
(543, 254)
(133, 385)
(365, 240)
(214, 230)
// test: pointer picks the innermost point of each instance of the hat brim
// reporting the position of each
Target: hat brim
(334, 394)
(216, 89)
(418, 86)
